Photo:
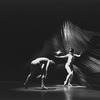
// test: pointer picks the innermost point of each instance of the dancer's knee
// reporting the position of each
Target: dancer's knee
(70, 73)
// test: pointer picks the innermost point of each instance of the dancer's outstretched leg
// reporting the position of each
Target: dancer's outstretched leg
(67, 67)
(25, 84)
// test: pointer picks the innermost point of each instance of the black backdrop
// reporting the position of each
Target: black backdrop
(26, 25)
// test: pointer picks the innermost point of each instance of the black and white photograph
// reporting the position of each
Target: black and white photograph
(49, 50)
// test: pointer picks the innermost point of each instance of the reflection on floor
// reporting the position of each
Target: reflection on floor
(56, 92)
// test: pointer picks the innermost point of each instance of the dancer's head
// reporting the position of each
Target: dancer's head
(71, 50)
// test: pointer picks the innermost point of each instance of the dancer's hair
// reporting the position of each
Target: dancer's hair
(71, 50)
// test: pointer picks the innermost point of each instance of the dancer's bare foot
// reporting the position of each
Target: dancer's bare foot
(64, 83)
(43, 87)
(69, 85)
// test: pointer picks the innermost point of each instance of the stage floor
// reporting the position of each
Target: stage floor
(16, 91)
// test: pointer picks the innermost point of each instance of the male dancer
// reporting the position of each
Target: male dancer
(42, 62)
(68, 66)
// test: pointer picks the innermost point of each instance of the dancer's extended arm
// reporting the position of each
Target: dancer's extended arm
(64, 56)
(78, 55)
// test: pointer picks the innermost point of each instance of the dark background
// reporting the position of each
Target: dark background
(26, 24)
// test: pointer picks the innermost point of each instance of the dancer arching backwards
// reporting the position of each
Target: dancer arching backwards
(43, 63)
(68, 66)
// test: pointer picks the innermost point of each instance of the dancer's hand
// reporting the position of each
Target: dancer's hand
(58, 52)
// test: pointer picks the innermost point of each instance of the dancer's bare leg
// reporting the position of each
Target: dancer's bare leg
(41, 74)
(27, 78)
(69, 74)
(67, 79)
(42, 82)
(70, 78)
(42, 79)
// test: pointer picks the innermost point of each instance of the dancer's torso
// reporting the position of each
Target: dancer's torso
(70, 59)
